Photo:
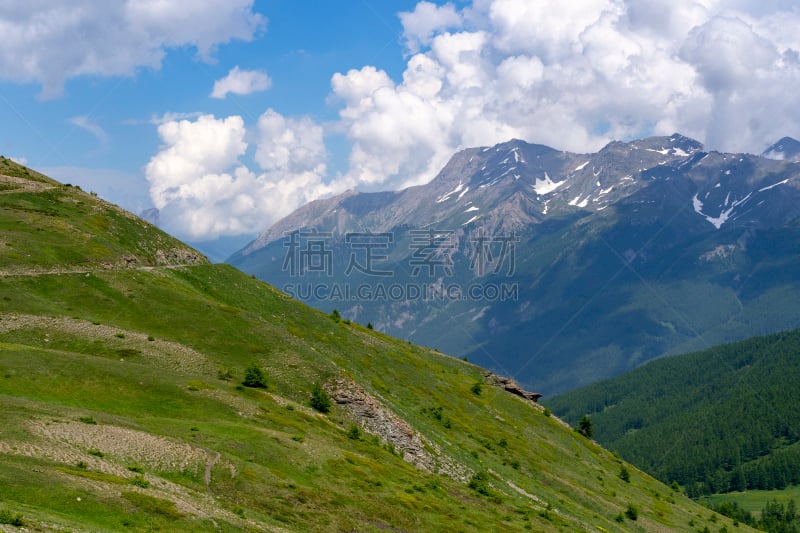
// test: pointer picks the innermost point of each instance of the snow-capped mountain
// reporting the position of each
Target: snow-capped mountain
(644, 248)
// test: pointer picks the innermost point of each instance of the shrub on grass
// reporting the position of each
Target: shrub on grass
(631, 512)
(479, 482)
(320, 399)
(11, 519)
(255, 377)
(477, 388)
(140, 481)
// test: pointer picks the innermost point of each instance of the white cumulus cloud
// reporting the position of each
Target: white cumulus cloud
(241, 82)
(51, 41)
(573, 75)
(204, 189)
(420, 25)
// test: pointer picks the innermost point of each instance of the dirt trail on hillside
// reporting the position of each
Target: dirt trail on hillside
(54, 271)
(114, 449)
(22, 184)
(178, 357)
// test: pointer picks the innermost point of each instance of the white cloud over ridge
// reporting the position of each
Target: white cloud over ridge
(51, 41)
(572, 75)
(203, 188)
(241, 82)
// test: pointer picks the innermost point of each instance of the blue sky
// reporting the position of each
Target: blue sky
(299, 47)
(230, 115)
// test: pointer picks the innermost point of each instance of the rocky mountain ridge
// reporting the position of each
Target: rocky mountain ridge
(643, 249)
(539, 181)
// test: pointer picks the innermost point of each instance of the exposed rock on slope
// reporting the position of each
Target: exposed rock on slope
(376, 419)
(511, 386)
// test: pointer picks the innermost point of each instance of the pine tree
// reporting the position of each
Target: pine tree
(585, 427)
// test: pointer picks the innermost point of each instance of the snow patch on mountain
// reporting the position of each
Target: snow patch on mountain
(724, 215)
(768, 187)
(581, 166)
(546, 185)
(472, 208)
(578, 203)
(680, 153)
(446, 196)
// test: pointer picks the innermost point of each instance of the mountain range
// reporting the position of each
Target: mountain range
(553, 267)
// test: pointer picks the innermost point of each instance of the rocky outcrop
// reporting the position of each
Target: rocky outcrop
(376, 419)
(511, 386)
(179, 256)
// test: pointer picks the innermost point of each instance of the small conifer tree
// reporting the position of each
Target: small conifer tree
(320, 399)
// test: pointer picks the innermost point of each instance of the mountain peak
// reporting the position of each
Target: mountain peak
(675, 144)
(786, 149)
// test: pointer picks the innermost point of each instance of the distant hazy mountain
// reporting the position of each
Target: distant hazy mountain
(554, 267)
(786, 149)
(152, 215)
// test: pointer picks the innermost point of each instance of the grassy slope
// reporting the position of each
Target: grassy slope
(755, 500)
(139, 350)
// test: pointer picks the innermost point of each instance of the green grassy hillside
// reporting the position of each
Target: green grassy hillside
(720, 420)
(121, 357)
